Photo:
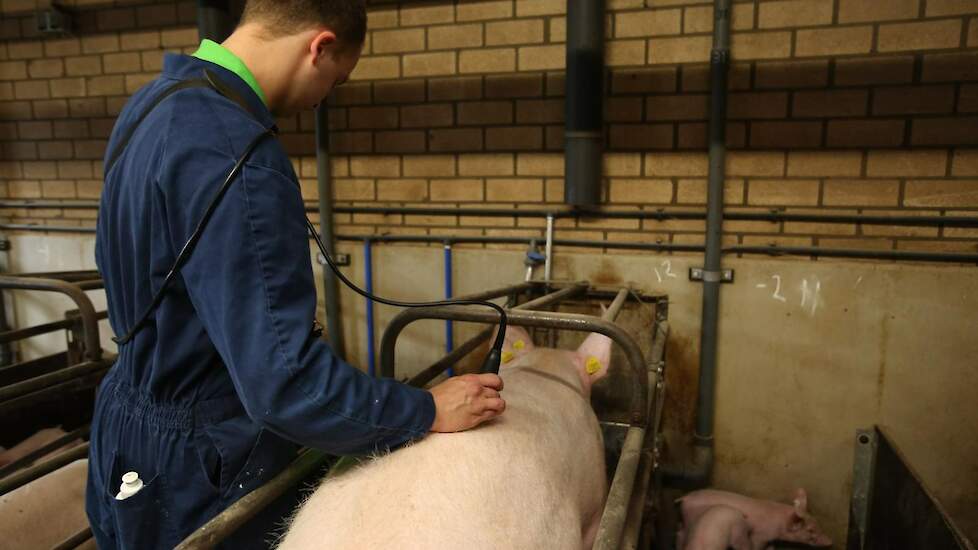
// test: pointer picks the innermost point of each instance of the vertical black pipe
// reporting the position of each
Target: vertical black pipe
(719, 65)
(214, 20)
(584, 106)
(334, 326)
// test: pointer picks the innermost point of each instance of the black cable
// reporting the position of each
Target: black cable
(491, 363)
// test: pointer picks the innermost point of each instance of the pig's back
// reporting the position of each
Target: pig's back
(530, 479)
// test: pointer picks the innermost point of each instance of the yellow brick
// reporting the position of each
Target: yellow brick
(536, 58)
(783, 192)
(621, 164)
(795, 13)
(411, 190)
(428, 64)
(429, 165)
(824, 164)
(487, 61)
(640, 191)
(176, 38)
(485, 112)
(31, 89)
(137, 81)
(924, 35)
(375, 166)
(24, 189)
(843, 40)
(625, 52)
(454, 36)
(965, 163)
(693, 191)
(68, 87)
(370, 68)
(699, 19)
(760, 45)
(518, 190)
(830, 103)
(478, 11)
(524, 138)
(427, 15)
(906, 163)
(25, 49)
(89, 189)
(520, 31)
(938, 8)
(485, 165)
(536, 164)
(953, 193)
(106, 85)
(353, 190)
(139, 40)
(101, 43)
(526, 8)
(647, 23)
(854, 192)
(874, 70)
(401, 40)
(381, 18)
(558, 29)
(456, 190)
(45, 68)
(427, 116)
(13, 70)
(680, 50)
(755, 164)
(675, 164)
(84, 66)
(62, 47)
(973, 33)
(122, 62)
(859, 11)
(913, 100)
(951, 67)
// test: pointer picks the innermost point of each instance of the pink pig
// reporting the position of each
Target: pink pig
(768, 520)
(719, 528)
(532, 478)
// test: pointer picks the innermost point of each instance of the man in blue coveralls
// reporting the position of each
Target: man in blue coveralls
(213, 394)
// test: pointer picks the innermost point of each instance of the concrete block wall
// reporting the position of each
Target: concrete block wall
(842, 107)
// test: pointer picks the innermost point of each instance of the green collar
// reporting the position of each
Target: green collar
(219, 55)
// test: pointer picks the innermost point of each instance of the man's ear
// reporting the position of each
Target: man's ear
(322, 44)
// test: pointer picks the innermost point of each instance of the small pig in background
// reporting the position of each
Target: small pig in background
(719, 528)
(767, 520)
(532, 478)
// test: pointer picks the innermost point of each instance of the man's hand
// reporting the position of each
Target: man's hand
(464, 402)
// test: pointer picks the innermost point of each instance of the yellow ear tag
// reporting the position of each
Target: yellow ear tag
(507, 356)
(518, 345)
(592, 365)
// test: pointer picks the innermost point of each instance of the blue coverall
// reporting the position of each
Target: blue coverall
(211, 398)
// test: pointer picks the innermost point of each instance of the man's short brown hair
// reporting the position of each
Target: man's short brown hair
(346, 18)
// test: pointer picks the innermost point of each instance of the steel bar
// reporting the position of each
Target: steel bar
(19, 389)
(896, 255)
(548, 255)
(324, 180)
(611, 313)
(584, 102)
(22, 333)
(236, 515)
(430, 373)
(66, 276)
(44, 450)
(616, 507)
(661, 214)
(51, 392)
(28, 475)
(547, 319)
(76, 540)
(93, 348)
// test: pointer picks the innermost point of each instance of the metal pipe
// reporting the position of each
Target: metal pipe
(93, 347)
(897, 255)
(20, 389)
(245, 508)
(449, 325)
(712, 276)
(616, 507)
(659, 214)
(28, 475)
(56, 391)
(44, 450)
(368, 269)
(76, 540)
(548, 319)
(213, 20)
(22, 333)
(611, 313)
(66, 276)
(584, 111)
(548, 263)
(389, 339)
(334, 322)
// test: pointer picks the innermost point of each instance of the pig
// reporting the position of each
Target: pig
(532, 478)
(36, 441)
(719, 528)
(768, 520)
(46, 511)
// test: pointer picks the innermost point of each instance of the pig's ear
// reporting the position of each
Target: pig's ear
(801, 503)
(516, 342)
(595, 354)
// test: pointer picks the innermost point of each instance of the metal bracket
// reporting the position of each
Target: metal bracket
(338, 259)
(700, 274)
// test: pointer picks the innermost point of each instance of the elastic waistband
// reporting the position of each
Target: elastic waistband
(180, 415)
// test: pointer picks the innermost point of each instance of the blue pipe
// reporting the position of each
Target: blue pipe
(368, 271)
(449, 336)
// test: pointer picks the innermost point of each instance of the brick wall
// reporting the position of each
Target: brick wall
(839, 106)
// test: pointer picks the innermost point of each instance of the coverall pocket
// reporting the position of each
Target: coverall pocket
(142, 520)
